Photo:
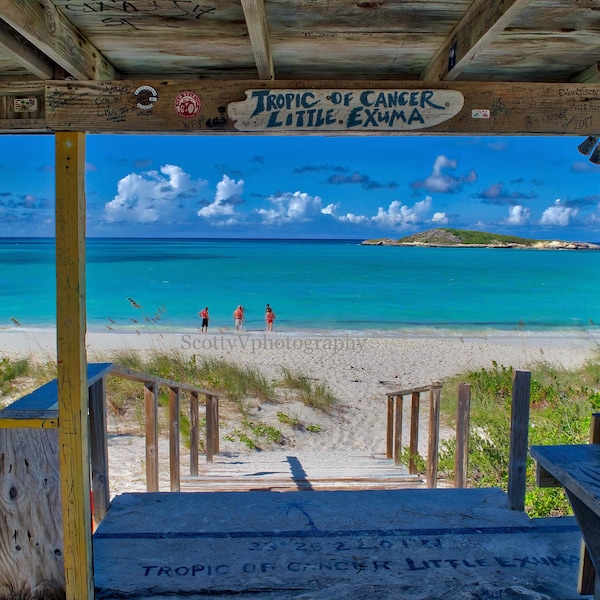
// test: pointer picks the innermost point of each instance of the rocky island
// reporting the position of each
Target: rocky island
(457, 238)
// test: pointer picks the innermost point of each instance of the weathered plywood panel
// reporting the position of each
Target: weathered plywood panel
(31, 543)
(195, 107)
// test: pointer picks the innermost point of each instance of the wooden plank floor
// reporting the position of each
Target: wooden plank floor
(287, 471)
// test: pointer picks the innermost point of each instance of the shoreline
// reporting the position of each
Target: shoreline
(18, 341)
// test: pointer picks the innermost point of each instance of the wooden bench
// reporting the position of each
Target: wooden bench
(577, 469)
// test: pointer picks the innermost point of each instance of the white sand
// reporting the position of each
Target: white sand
(359, 369)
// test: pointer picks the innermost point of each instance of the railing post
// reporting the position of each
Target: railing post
(389, 445)
(216, 432)
(461, 459)
(209, 428)
(414, 432)
(519, 439)
(99, 450)
(434, 435)
(398, 429)
(174, 469)
(194, 437)
(586, 581)
(151, 406)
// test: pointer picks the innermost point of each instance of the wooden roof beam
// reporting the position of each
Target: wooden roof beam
(256, 21)
(44, 26)
(24, 53)
(589, 75)
(484, 20)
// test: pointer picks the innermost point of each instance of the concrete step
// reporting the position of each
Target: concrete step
(356, 545)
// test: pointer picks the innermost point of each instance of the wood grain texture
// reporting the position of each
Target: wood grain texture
(44, 25)
(73, 433)
(517, 108)
(31, 539)
(519, 439)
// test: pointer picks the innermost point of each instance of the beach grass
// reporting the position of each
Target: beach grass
(312, 393)
(562, 402)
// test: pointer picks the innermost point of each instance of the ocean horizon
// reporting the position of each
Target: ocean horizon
(313, 285)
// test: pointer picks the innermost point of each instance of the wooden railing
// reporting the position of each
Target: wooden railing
(518, 433)
(39, 410)
(395, 406)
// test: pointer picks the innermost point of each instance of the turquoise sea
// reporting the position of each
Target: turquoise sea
(311, 285)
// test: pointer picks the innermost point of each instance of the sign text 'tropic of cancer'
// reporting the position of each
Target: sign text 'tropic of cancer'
(344, 110)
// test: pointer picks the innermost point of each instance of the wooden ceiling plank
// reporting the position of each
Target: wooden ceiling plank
(589, 75)
(43, 25)
(484, 20)
(256, 21)
(24, 53)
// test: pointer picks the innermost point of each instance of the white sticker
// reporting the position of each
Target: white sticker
(480, 113)
(25, 105)
(148, 96)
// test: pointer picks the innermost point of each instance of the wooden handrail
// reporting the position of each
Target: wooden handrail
(39, 410)
(161, 381)
(395, 403)
(518, 438)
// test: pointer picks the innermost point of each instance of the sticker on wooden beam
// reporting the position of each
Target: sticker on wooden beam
(344, 110)
(22, 105)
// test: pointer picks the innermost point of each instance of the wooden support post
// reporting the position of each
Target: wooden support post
(194, 437)
(461, 459)
(73, 432)
(216, 432)
(586, 583)
(414, 432)
(99, 450)
(389, 445)
(434, 437)
(398, 429)
(209, 428)
(174, 469)
(519, 440)
(151, 407)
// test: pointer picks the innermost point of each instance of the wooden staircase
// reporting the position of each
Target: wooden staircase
(285, 471)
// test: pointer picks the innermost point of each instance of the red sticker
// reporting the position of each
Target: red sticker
(188, 104)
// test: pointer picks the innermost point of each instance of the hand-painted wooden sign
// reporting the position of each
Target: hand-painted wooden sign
(344, 110)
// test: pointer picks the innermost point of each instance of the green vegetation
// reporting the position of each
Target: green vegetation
(242, 390)
(562, 403)
(10, 371)
(311, 393)
(483, 237)
(256, 434)
(296, 423)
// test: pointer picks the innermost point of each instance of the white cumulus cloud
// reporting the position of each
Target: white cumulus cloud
(440, 218)
(153, 196)
(399, 214)
(222, 208)
(443, 182)
(558, 214)
(292, 208)
(518, 215)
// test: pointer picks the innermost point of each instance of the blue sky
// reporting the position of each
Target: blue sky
(301, 186)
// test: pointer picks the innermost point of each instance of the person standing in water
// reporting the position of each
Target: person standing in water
(203, 314)
(269, 318)
(238, 317)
